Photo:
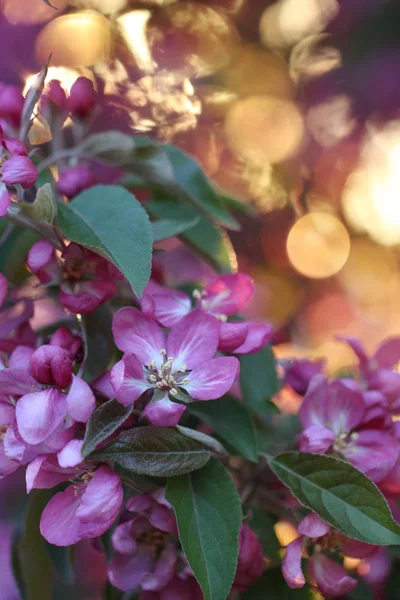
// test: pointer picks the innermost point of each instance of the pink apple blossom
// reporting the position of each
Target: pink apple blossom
(333, 417)
(86, 279)
(183, 361)
(19, 170)
(222, 297)
(251, 560)
(86, 509)
(330, 577)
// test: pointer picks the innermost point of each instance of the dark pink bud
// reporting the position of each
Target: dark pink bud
(11, 104)
(82, 98)
(251, 560)
(14, 146)
(19, 170)
(300, 372)
(66, 340)
(51, 365)
(55, 95)
(74, 180)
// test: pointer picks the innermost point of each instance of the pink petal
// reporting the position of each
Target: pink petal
(373, 452)
(331, 578)
(258, 336)
(359, 351)
(86, 296)
(164, 413)
(103, 385)
(19, 170)
(16, 382)
(232, 336)
(125, 571)
(388, 353)
(15, 146)
(128, 381)
(356, 549)
(7, 466)
(251, 560)
(193, 340)
(313, 526)
(213, 378)
(164, 571)
(42, 262)
(102, 499)
(168, 308)
(140, 335)
(333, 405)
(80, 400)
(21, 358)
(59, 524)
(5, 201)
(16, 449)
(227, 294)
(123, 540)
(316, 439)
(39, 414)
(299, 373)
(51, 365)
(7, 411)
(387, 382)
(71, 454)
(291, 564)
(3, 287)
(44, 472)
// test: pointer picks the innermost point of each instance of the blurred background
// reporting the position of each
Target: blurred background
(292, 108)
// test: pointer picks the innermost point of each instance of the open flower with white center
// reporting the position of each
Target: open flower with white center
(183, 361)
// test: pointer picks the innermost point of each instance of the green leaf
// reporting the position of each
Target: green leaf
(169, 228)
(263, 525)
(258, 379)
(35, 564)
(13, 252)
(156, 451)
(112, 146)
(110, 221)
(99, 341)
(103, 422)
(206, 239)
(272, 586)
(16, 565)
(209, 517)
(179, 176)
(194, 183)
(232, 421)
(340, 494)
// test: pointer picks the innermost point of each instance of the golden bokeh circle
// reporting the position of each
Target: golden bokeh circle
(79, 39)
(264, 129)
(318, 245)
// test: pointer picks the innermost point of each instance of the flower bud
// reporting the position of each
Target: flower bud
(251, 560)
(82, 98)
(300, 372)
(19, 170)
(66, 340)
(11, 104)
(74, 180)
(55, 96)
(14, 146)
(44, 208)
(51, 365)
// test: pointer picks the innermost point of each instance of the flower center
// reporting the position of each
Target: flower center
(166, 378)
(345, 441)
(209, 305)
(154, 538)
